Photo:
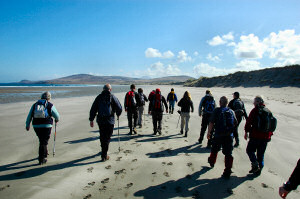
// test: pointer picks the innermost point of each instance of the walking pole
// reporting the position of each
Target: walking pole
(178, 118)
(54, 141)
(119, 134)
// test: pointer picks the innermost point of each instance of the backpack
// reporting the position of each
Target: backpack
(130, 99)
(142, 99)
(157, 102)
(209, 105)
(225, 121)
(105, 109)
(238, 107)
(40, 109)
(266, 122)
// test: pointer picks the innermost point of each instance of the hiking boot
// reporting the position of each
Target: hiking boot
(140, 126)
(159, 132)
(181, 131)
(226, 174)
(105, 158)
(210, 162)
(185, 135)
(130, 133)
(134, 130)
(254, 169)
(200, 140)
(43, 161)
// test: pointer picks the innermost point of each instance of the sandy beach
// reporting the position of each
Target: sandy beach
(166, 166)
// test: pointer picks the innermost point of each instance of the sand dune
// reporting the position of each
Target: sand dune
(166, 166)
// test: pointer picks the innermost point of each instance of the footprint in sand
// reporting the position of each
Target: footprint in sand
(186, 154)
(266, 186)
(118, 158)
(153, 142)
(161, 148)
(108, 167)
(166, 174)
(170, 163)
(163, 163)
(134, 160)
(153, 173)
(91, 183)
(127, 151)
(106, 180)
(138, 145)
(129, 185)
(2, 188)
(90, 170)
(120, 171)
(103, 188)
(189, 164)
(273, 172)
(87, 196)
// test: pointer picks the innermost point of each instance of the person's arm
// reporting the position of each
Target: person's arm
(175, 96)
(180, 103)
(200, 107)
(248, 125)
(145, 97)
(230, 105)
(165, 103)
(125, 107)
(292, 183)
(150, 105)
(93, 111)
(192, 106)
(212, 121)
(244, 110)
(55, 114)
(29, 118)
(117, 105)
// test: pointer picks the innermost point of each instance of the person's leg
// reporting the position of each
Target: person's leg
(236, 133)
(135, 116)
(140, 116)
(204, 125)
(216, 146)
(43, 135)
(159, 120)
(227, 147)
(182, 116)
(187, 118)
(261, 149)
(154, 121)
(251, 150)
(105, 135)
(129, 117)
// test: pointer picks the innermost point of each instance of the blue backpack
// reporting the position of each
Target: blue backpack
(105, 109)
(225, 122)
(209, 105)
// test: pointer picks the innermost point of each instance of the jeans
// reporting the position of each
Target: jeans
(156, 119)
(43, 135)
(140, 115)
(106, 132)
(235, 132)
(185, 117)
(132, 113)
(172, 105)
(257, 146)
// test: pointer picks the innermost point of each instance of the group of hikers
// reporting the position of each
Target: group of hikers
(220, 122)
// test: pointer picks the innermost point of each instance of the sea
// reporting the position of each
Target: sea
(17, 92)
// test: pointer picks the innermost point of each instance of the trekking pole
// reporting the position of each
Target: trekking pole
(178, 121)
(54, 141)
(119, 134)
(144, 116)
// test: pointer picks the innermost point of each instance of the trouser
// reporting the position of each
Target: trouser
(140, 115)
(235, 131)
(157, 119)
(106, 131)
(43, 135)
(185, 117)
(132, 113)
(172, 105)
(204, 125)
(257, 146)
(226, 143)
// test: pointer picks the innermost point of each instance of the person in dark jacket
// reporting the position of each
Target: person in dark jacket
(172, 98)
(42, 123)
(187, 106)
(105, 106)
(156, 109)
(206, 108)
(258, 140)
(223, 135)
(131, 102)
(141, 105)
(237, 105)
(292, 183)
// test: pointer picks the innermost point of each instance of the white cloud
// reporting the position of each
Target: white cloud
(196, 53)
(217, 40)
(247, 65)
(183, 56)
(206, 70)
(152, 53)
(158, 69)
(250, 47)
(213, 58)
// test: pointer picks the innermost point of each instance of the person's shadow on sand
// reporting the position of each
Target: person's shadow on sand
(192, 186)
(33, 172)
(194, 148)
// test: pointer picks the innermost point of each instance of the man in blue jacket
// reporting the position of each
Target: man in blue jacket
(105, 106)
(41, 114)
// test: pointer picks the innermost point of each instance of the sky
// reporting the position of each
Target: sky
(47, 39)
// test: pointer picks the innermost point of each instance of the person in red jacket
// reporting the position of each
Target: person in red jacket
(258, 140)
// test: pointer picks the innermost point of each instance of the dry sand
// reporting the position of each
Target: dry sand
(166, 166)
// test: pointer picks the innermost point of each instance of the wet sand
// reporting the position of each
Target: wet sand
(166, 166)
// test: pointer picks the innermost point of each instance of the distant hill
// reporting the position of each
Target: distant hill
(273, 77)
(92, 79)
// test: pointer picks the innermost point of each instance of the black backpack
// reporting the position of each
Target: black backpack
(266, 122)
(225, 122)
(209, 104)
(105, 108)
(238, 107)
(142, 99)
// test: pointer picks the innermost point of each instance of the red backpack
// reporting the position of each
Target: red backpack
(130, 99)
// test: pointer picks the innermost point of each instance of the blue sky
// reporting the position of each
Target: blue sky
(42, 39)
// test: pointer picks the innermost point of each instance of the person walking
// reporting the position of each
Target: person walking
(223, 120)
(156, 109)
(141, 105)
(292, 183)
(258, 138)
(41, 114)
(237, 105)
(105, 106)
(172, 98)
(130, 104)
(206, 108)
(187, 106)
